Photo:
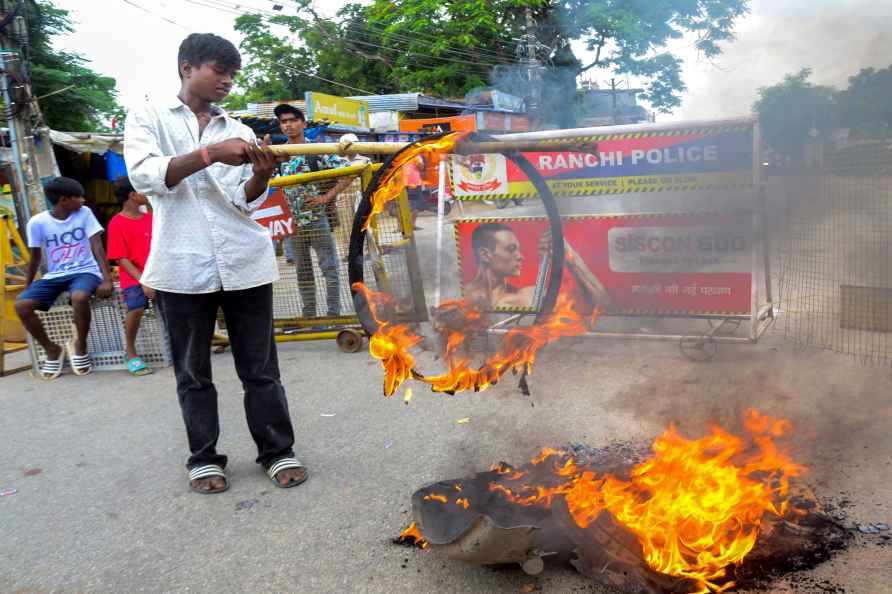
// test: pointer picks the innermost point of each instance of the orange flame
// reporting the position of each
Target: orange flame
(390, 344)
(411, 535)
(696, 506)
(517, 352)
(392, 184)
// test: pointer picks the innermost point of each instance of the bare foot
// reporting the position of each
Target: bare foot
(53, 353)
(291, 475)
(80, 346)
(213, 483)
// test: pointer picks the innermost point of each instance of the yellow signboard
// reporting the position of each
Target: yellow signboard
(349, 114)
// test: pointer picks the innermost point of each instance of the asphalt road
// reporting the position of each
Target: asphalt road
(110, 511)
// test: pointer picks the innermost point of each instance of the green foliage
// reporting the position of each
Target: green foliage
(789, 110)
(90, 102)
(264, 76)
(447, 47)
(866, 105)
(631, 37)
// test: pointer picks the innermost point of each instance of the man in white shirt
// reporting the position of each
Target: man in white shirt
(204, 174)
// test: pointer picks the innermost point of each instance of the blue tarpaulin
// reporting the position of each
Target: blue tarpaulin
(114, 166)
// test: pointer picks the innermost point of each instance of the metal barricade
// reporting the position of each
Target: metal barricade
(835, 260)
(312, 299)
(106, 342)
(663, 230)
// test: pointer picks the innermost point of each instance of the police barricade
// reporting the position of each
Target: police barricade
(312, 298)
(663, 226)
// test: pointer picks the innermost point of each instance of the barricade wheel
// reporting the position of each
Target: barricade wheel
(349, 341)
(699, 348)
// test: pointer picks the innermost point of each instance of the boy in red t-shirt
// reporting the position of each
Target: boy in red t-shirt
(129, 238)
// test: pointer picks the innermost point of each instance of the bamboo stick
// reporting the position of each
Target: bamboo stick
(334, 148)
(579, 145)
(315, 176)
(388, 148)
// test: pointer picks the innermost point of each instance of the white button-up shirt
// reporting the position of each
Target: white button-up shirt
(203, 237)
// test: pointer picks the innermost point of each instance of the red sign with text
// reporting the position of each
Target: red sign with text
(275, 215)
(671, 264)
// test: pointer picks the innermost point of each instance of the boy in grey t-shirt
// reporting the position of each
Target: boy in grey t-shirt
(69, 236)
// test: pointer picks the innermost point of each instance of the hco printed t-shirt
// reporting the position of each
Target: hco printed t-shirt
(131, 239)
(66, 244)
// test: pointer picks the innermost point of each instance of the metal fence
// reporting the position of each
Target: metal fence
(312, 299)
(106, 341)
(835, 254)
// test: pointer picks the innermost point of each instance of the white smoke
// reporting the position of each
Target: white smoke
(836, 38)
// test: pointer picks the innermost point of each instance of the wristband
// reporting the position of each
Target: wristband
(205, 156)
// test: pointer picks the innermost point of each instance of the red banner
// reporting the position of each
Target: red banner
(275, 215)
(670, 264)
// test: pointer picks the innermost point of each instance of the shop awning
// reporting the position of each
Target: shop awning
(89, 142)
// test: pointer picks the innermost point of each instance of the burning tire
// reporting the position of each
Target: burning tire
(399, 365)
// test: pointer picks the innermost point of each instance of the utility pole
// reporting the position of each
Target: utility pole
(613, 96)
(533, 68)
(29, 138)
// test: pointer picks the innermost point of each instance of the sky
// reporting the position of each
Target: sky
(138, 46)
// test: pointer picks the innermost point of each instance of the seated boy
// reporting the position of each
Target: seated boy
(129, 238)
(70, 237)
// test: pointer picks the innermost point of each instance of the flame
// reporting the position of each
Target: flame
(695, 506)
(392, 184)
(516, 354)
(411, 535)
(436, 497)
(390, 344)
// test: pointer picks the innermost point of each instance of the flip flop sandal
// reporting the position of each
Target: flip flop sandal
(136, 367)
(80, 364)
(284, 464)
(208, 471)
(51, 369)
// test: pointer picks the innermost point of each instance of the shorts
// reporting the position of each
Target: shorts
(416, 197)
(135, 298)
(46, 290)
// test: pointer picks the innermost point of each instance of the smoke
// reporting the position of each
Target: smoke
(836, 38)
(555, 94)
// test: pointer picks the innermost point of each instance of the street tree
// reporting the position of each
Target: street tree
(791, 109)
(448, 47)
(72, 96)
(865, 106)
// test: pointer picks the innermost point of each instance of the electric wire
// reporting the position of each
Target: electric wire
(264, 60)
(460, 58)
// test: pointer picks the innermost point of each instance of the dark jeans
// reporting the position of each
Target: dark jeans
(317, 236)
(249, 320)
